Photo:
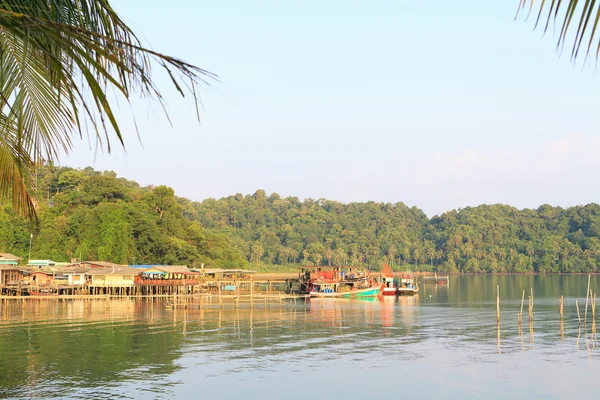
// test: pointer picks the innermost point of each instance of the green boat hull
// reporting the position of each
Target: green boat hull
(372, 292)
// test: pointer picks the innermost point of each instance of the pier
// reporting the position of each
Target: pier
(182, 288)
(435, 278)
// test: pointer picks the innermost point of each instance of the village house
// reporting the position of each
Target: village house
(171, 275)
(9, 270)
(40, 263)
(9, 259)
(10, 275)
(75, 276)
(98, 264)
(38, 278)
(220, 273)
(117, 279)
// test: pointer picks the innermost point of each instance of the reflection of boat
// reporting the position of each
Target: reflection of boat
(407, 285)
(390, 286)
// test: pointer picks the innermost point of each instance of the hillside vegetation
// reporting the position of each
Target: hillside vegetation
(95, 215)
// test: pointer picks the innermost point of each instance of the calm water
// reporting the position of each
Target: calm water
(444, 343)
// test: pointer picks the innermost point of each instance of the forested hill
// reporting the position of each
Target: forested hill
(494, 238)
(95, 215)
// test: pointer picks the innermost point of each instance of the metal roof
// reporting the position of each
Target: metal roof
(8, 256)
(121, 270)
(173, 269)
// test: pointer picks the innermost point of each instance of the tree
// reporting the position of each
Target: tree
(391, 253)
(257, 252)
(58, 61)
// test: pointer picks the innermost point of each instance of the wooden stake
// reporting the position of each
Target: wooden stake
(498, 303)
(561, 306)
(522, 302)
(220, 296)
(586, 300)
(578, 316)
(531, 310)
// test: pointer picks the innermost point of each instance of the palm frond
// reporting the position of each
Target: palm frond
(58, 59)
(15, 165)
(578, 22)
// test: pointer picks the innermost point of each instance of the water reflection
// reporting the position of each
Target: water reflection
(444, 337)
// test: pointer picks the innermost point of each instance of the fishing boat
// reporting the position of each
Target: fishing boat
(390, 286)
(42, 292)
(407, 285)
(334, 282)
(343, 289)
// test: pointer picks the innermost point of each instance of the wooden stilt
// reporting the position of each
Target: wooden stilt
(531, 306)
(561, 306)
(498, 303)
(586, 300)
(220, 296)
(522, 302)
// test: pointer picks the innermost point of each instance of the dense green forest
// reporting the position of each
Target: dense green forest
(488, 238)
(95, 215)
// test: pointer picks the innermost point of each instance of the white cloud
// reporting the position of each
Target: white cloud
(562, 172)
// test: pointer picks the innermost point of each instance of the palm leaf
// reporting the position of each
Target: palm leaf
(578, 21)
(15, 165)
(58, 59)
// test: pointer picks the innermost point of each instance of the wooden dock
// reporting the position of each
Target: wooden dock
(161, 288)
(437, 279)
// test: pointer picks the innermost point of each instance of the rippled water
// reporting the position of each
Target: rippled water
(444, 343)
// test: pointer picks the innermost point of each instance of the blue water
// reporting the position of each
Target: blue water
(444, 343)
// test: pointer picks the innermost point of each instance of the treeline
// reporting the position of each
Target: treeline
(496, 238)
(95, 215)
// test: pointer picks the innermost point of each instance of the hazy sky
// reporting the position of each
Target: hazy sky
(435, 104)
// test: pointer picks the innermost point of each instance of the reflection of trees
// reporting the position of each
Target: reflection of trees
(95, 345)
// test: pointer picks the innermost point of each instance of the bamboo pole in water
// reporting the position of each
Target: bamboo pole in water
(220, 296)
(531, 308)
(562, 300)
(498, 303)
(586, 300)
(522, 302)
(578, 316)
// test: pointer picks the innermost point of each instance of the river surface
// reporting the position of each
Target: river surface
(443, 343)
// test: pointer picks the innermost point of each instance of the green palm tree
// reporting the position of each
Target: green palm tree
(431, 253)
(569, 15)
(58, 60)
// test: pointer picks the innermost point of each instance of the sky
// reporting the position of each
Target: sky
(439, 105)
